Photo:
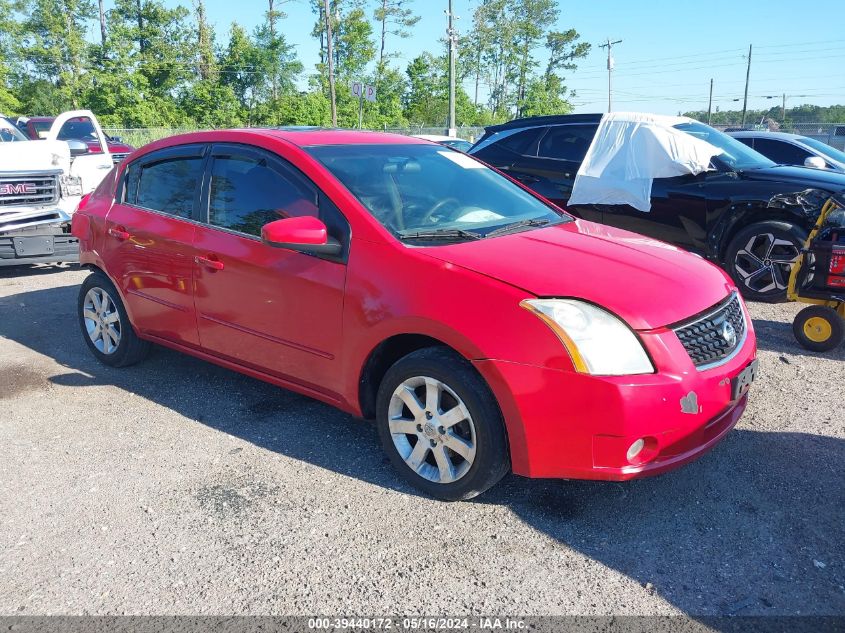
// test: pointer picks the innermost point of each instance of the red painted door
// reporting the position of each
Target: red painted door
(148, 242)
(272, 309)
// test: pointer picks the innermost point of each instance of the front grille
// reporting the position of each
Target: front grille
(713, 337)
(116, 158)
(29, 190)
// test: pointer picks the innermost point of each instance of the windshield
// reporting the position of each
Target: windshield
(78, 129)
(9, 132)
(428, 192)
(736, 155)
(825, 149)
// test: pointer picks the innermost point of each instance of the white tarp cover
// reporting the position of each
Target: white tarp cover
(630, 150)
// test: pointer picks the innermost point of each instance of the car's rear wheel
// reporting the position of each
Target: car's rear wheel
(760, 259)
(440, 425)
(105, 324)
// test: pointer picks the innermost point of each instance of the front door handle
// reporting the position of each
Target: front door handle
(210, 262)
(119, 232)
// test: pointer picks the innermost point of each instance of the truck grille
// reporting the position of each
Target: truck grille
(29, 190)
(713, 337)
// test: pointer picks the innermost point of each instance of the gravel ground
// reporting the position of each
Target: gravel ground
(178, 487)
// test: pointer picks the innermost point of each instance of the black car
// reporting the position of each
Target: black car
(748, 214)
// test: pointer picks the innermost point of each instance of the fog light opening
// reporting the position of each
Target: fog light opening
(635, 449)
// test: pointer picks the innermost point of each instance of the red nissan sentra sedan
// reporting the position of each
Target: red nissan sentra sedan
(483, 328)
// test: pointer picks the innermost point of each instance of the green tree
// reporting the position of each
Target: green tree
(156, 42)
(243, 68)
(393, 18)
(53, 46)
(205, 43)
(9, 34)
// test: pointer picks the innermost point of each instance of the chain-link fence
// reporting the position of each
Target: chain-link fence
(831, 133)
(136, 137)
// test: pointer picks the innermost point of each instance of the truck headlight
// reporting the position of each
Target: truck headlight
(598, 342)
(71, 186)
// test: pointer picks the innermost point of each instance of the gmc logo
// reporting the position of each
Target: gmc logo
(16, 190)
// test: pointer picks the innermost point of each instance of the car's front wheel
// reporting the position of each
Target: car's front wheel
(760, 259)
(440, 425)
(105, 323)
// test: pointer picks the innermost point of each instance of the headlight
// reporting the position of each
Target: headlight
(71, 186)
(598, 342)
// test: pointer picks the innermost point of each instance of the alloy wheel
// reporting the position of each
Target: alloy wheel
(432, 429)
(102, 320)
(764, 263)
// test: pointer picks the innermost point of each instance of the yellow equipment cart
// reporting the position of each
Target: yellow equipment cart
(818, 278)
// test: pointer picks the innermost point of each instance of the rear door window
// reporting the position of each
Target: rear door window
(169, 185)
(524, 142)
(567, 142)
(780, 152)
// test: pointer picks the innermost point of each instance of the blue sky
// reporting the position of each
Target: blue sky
(669, 52)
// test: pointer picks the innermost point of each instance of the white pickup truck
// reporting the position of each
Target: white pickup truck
(41, 184)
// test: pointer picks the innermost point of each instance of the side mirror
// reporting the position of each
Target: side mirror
(306, 233)
(77, 148)
(815, 162)
(115, 139)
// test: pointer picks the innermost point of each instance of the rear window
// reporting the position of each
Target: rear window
(567, 142)
(521, 142)
(168, 186)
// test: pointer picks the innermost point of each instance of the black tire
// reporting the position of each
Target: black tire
(758, 259)
(491, 459)
(827, 328)
(130, 349)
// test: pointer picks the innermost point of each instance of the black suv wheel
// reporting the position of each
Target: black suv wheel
(760, 258)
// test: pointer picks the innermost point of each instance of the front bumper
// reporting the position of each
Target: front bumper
(562, 424)
(38, 244)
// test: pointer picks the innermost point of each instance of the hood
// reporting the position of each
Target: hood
(803, 177)
(647, 283)
(34, 156)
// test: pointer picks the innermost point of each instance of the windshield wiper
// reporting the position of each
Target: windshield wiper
(509, 228)
(440, 234)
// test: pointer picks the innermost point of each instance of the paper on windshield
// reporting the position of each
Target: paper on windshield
(629, 151)
(462, 159)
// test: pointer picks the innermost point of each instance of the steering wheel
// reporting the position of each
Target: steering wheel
(437, 206)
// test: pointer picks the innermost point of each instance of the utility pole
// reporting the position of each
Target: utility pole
(784, 108)
(747, 77)
(331, 60)
(450, 33)
(710, 103)
(609, 46)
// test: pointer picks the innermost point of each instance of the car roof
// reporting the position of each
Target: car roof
(299, 137)
(551, 119)
(335, 136)
(766, 134)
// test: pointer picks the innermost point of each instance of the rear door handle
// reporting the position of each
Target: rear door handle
(214, 264)
(119, 232)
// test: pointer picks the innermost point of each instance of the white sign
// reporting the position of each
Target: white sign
(359, 89)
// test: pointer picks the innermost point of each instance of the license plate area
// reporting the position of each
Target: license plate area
(34, 246)
(742, 382)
